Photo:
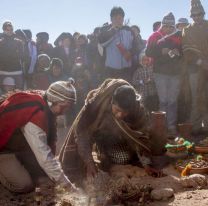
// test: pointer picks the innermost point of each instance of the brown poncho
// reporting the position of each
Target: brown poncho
(96, 115)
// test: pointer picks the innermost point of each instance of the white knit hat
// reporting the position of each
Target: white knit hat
(61, 91)
(182, 21)
(9, 81)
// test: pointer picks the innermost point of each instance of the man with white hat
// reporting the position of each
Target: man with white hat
(8, 84)
(182, 23)
(29, 118)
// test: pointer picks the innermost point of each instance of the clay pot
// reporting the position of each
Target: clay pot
(158, 132)
(159, 121)
(201, 149)
(203, 170)
(184, 130)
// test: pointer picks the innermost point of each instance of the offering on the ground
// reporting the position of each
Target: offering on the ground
(204, 142)
(181, 145)
(192, 166)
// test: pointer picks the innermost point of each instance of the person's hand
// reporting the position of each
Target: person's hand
(91, 170)
(165, 51)
(70, 188)
(127, 56)
(153, 172)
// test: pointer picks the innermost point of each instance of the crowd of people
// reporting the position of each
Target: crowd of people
(127, 75)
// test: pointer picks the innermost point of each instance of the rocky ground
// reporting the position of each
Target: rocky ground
(55, 196)
(51, 196)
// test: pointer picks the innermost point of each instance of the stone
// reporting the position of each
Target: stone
(162, 194)
(197, 181)
(65, 203)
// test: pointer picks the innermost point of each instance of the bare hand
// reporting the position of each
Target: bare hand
(153, 172)
(71, 188)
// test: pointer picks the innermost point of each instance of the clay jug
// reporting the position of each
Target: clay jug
(158, 132)
(184, 130)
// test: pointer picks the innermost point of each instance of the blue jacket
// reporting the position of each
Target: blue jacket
(109, 38)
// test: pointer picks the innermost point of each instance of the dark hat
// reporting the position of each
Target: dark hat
(28, 33)
(20, 34)
(44, 36)
(196, 7)
(156, 25)
(182, 21)
(6, 24)
(169, 20)
(62, 36)
(75, 34)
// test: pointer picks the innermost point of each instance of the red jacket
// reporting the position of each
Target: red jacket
(19, 109)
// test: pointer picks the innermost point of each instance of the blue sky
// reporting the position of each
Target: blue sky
(56, 16)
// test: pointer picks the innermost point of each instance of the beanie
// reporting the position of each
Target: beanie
(44, 36)
(169, 20)
(196, 7)
(61, 91)
(182, 21)
(9, 81)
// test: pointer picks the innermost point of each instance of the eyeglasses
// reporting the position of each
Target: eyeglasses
(197, 15)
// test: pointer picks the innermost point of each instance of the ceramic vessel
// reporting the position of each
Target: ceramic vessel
(201, 149)
(184, 130)
(159, 132)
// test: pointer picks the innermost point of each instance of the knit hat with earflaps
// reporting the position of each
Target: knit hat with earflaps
(61, 91)
(169, 20)
(182, 21)
(196, 7)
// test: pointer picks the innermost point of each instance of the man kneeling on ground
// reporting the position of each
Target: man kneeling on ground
(28, 128)
(114, 120)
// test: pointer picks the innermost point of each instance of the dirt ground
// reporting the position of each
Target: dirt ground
(51, 196)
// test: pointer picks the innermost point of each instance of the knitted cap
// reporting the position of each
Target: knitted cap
(169, 20)
(196, 7)
(9, 81)
(44, 36)
(182, 21)
(60, 91)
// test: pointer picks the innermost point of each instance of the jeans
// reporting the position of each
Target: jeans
(168, 89)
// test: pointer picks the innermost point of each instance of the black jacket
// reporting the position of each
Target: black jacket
(11, 53)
